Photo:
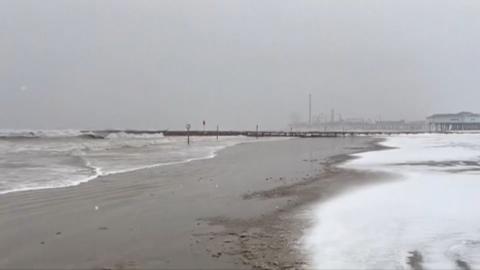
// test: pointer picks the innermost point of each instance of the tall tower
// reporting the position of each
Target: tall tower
(332, 116)
(309, 110)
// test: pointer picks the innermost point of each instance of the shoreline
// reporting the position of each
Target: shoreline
(237, 210)
(275, 240)
(98, 170)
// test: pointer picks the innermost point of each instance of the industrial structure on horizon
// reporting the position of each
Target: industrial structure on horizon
(358, 124)
(334, 121)
(462, 121)
(454, 122)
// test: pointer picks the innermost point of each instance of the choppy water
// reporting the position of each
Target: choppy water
(432, 210)
(49, 159)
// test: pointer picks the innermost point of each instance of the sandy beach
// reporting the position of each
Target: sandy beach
(265, 135)
(235, 211)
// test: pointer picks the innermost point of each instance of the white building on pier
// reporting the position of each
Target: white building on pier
(454, 122)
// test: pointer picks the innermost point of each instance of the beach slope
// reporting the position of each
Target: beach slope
(229, 212)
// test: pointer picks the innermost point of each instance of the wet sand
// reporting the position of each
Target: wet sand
(235, 211)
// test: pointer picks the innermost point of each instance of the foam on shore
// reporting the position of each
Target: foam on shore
(427, 217)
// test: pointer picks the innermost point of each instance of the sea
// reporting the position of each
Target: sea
(424, 218)
(41, 159)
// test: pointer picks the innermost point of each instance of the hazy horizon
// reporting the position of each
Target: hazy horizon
(160, 64)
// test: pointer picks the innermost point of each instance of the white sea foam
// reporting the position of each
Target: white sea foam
(125, 135)
(6, 133)
(431, 209)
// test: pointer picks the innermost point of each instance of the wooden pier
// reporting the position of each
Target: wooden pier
(299, 134)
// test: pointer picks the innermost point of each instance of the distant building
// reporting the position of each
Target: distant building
(454, 122)
(391, 125)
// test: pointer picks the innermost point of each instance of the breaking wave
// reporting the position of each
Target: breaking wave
(126, 135)
(96, 134)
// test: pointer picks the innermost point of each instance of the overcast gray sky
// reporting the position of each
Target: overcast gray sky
(160, 64)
